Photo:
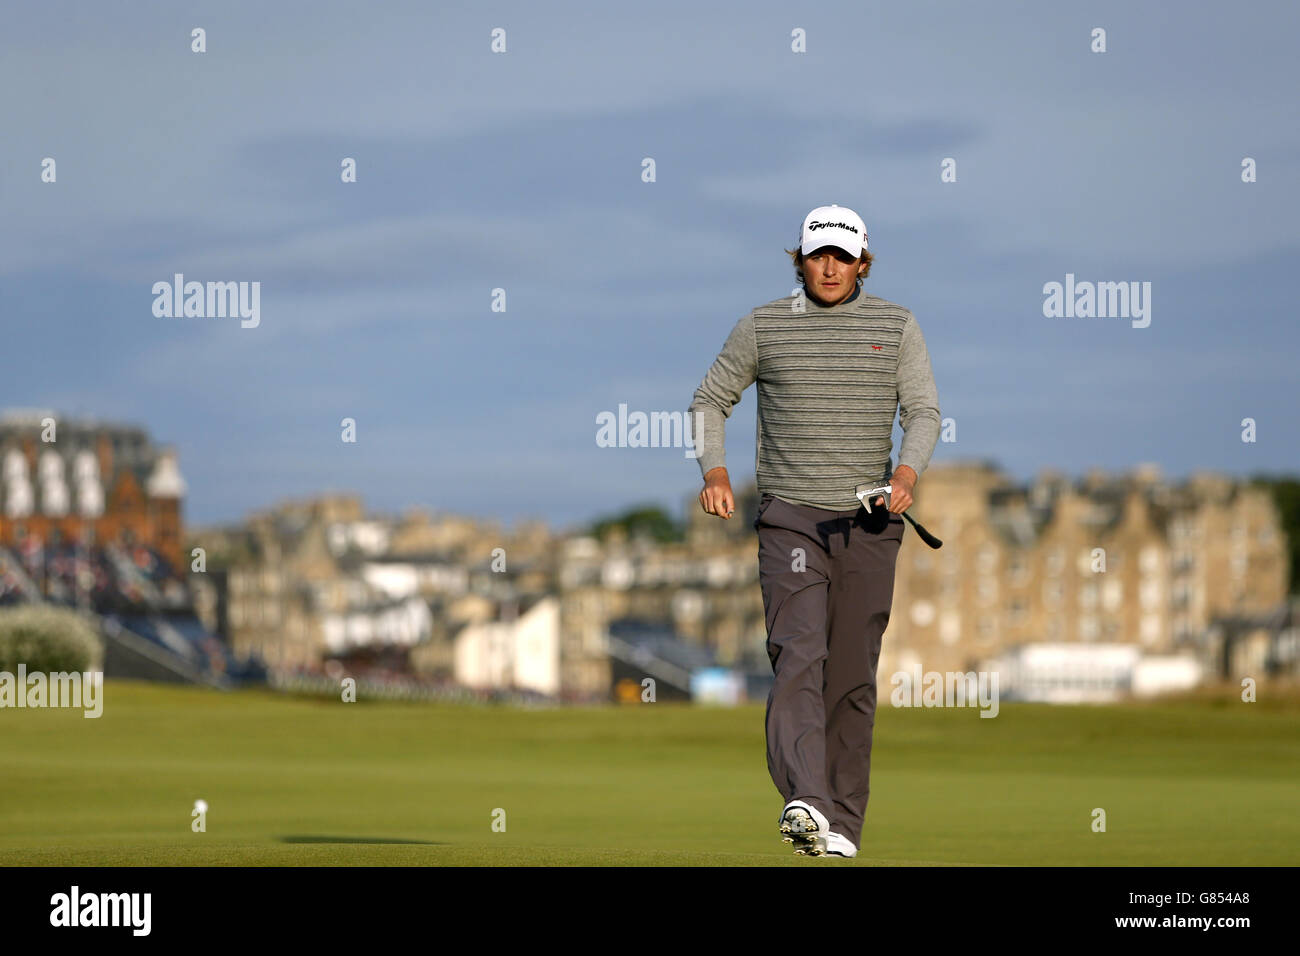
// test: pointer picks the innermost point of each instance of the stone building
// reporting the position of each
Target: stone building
(1127, 559)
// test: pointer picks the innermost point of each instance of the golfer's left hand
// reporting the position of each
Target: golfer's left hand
(900, 499)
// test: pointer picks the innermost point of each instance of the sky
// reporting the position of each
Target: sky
(522, 171)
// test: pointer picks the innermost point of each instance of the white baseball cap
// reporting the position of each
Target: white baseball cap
(834, 226)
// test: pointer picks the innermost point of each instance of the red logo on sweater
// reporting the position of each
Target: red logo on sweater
(877, 347)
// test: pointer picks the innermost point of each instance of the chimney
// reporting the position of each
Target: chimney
(104, 451)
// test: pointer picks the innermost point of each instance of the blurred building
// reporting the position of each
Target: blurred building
(314, 581)
(1129, 564)
(1111, 559)
(87, 483)
(1124, 561)
(1088, 673)
(520, 651)
(90, 516)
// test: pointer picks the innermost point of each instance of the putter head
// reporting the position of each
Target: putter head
(866, 493)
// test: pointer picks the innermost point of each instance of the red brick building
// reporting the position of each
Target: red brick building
(97, 483)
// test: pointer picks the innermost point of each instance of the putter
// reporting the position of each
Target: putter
(865, 494)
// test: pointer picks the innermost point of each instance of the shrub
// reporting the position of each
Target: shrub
(48, 639)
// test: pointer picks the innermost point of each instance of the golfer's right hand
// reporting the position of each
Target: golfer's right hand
(716, 498)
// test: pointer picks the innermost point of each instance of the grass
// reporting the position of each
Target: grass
(299, 781)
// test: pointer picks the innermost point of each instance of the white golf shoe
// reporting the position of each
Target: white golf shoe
(804, 825)
(839, 845)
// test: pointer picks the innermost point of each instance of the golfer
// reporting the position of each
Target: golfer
(833, 366)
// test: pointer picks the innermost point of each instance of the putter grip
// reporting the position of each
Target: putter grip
(925, 536)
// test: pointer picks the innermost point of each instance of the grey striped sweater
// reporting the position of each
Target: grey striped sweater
(830, 380)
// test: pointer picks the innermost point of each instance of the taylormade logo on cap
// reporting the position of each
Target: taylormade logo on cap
(823, 225)
(834, 226)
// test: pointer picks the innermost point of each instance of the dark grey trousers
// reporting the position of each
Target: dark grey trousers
(828, 583)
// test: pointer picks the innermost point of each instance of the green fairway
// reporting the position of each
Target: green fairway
(298, 781)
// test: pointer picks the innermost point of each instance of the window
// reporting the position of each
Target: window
(950, 627)
(1150, 628)
(1018, 571)
(1055, 562)
(922, 613)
